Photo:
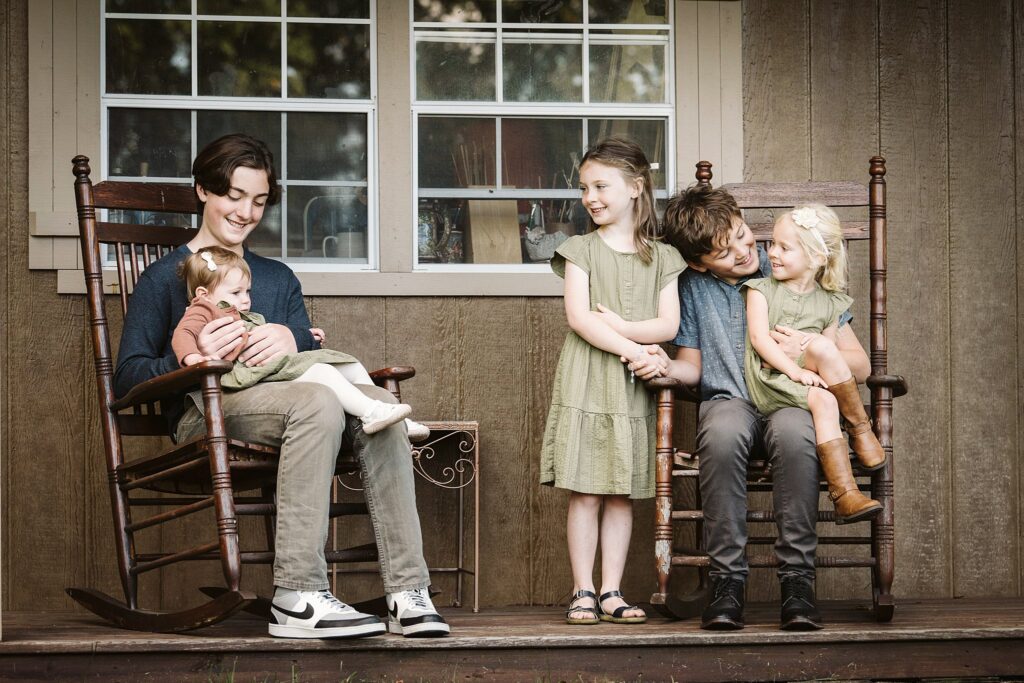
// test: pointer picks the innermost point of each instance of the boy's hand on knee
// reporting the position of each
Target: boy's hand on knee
(792, 342)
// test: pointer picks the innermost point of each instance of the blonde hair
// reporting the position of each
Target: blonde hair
(196, 272)
(822, 240)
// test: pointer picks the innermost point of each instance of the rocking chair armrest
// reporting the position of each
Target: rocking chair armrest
(682, 391)
(396, 373)
(171, 383)
(895, 382)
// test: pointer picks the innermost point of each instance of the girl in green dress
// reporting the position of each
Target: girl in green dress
(620, 294)
(218, 282)
(808, 260)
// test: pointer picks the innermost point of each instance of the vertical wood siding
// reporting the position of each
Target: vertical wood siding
(937, 88)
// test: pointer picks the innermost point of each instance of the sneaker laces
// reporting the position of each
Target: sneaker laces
(419, 599)
(328, 598)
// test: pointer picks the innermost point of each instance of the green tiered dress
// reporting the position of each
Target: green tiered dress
(809, 312)
(600, 436)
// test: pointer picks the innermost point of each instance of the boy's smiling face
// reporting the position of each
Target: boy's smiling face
(734, 257)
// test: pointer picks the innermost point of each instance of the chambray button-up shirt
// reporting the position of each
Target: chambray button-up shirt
(713, 318)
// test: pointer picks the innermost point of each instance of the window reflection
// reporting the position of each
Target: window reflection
(550, 12)
(149, 57)
(329, 60)
(239, 59)
(456, 71)
(454, 10)
(543, 72)
(149, 143)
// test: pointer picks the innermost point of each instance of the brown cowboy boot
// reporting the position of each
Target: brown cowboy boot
(851, 505)
(865, 443)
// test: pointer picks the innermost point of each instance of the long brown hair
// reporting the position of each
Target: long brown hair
(626, 155)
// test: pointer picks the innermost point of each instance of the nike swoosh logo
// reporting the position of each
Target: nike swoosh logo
(304, 614)
(393, 610)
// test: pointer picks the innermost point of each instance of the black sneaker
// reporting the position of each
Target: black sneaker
(318, 614)
(725, 613)
(799, 609)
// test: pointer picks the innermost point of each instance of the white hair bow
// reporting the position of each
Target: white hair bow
(208, 257)
(808, 218)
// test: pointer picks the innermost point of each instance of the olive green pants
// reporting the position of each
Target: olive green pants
(306, 422)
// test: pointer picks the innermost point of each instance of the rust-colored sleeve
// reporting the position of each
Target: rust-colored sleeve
(185, 339)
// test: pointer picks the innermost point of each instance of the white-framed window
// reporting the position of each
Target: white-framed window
(298, 74)
(507, 94)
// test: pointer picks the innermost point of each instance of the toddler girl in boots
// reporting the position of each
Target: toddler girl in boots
(808, 261)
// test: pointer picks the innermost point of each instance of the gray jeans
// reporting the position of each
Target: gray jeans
(729, 431)
(307, 423)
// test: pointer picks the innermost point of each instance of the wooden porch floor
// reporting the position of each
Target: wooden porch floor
(927, 639)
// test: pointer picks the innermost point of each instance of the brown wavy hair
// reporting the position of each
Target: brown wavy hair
(215, 163)
(698, 219)
(627, 156)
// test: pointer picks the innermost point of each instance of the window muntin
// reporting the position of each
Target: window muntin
(298, 75)
(507, 96)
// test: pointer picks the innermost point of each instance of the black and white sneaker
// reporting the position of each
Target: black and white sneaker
(412, 614)
(318, 614)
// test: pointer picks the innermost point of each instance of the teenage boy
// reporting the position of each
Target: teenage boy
(707, 228)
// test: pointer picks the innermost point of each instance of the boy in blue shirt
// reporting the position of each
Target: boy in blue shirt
(707, 228)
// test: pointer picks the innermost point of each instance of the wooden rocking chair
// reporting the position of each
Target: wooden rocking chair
(206, 472)
(673, 464)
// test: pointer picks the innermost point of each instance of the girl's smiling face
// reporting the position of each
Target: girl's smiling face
(607, 195)
(229, 218)
(233, 289)
(788, 256)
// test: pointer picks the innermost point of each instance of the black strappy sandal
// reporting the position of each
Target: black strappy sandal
(573, 608)
(616, 616)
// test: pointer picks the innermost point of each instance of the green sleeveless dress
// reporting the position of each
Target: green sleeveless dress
(811, 311)
(599, 437)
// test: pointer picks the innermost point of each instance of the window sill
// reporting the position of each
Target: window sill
(383, 284)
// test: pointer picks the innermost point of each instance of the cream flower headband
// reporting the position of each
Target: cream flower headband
(208, 257)
(808, 218)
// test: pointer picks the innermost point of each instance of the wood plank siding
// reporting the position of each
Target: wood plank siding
(935, 87)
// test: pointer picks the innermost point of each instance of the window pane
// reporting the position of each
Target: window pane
(456, 152)
(149, 142)
(543, 72)
(265, 240)
(454, 71)
(454, 10)
(540, 153)
(648, 133)
(252, 8)
(618, 12)
(336, 9)
(150, 6)
(263, 125)
(327, 223)
(149, 57)
(327, 147)
(533, 12)
(239, 59)
(627, 73)
(329, 60)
